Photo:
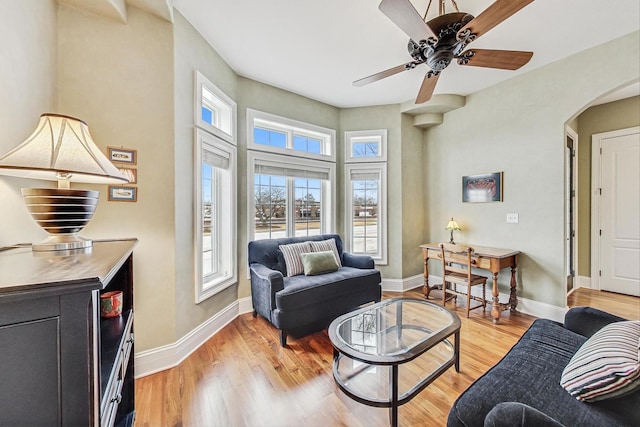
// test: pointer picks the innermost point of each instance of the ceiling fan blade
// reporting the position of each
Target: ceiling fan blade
(386, 73)
(493, 15)
(405, 16)
(428, 85)
(502, 59)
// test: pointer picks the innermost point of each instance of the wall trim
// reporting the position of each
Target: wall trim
(526, 306)
(402, 285)
(583, 282)
(169, 356)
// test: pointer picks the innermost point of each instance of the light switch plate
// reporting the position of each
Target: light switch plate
(512, 218)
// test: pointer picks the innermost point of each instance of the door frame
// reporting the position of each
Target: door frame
(571, 206)
(596, 183)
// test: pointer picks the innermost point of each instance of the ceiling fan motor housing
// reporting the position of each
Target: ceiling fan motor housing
(438, 54)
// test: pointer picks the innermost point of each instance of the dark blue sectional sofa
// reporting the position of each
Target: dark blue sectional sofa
(300, 305)
(523, 389)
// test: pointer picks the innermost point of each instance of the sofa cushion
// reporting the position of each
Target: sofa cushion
(292, 260)
(319, 263)
(326, 245)
(606, 365)
(530, 373)
(301, 291)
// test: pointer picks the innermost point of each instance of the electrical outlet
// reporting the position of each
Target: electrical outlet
(512, 218)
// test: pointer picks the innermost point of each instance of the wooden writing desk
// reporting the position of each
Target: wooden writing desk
(490, 259)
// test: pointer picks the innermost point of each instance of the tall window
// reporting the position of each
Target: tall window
(215, 191)
(366, 178)
(215, 217)
(292, 191)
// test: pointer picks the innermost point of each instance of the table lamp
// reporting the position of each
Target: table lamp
(61, 149)
(451, 226)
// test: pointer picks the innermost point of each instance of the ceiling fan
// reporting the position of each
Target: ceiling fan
(437, 42)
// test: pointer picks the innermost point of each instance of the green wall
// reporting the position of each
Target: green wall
(600, 118)
(518, 127)
(415, 212)
(191, 52)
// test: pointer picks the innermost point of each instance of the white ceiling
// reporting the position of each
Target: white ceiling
(318, 48)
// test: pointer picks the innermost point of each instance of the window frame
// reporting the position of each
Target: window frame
(202, 82)
(227, 207)
(290, 127)
(352, 137)
(328, 190)
(381, 168)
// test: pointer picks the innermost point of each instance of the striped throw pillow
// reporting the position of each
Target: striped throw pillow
(326, 245)
(606, 365)
(292, 260)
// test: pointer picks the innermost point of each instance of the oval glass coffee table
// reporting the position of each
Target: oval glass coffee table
(386, 353)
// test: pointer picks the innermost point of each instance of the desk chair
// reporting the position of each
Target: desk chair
(457, 261)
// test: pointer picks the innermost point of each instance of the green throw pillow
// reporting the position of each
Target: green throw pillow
(319, 263)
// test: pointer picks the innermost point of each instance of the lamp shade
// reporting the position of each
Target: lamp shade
(452, 225)
(60, 148)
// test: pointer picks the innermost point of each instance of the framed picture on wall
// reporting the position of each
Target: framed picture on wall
(130, 173)
(122, 194)
(122, 155)
(482, 188)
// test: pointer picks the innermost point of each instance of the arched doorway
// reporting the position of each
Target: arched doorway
(618, 110)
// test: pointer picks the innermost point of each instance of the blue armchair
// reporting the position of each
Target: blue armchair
(300, 305)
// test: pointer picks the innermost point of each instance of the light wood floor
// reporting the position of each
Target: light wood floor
(622, 305)
(242, 377)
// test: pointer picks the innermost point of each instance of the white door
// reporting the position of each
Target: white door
(620, 212)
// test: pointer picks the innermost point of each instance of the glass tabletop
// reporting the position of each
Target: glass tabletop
(392, 330)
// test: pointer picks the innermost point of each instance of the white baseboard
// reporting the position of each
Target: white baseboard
(583, 282)
(402, 285)
(526, 306)
(245, 305)
(171, 355)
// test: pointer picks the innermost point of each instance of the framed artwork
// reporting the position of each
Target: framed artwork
(123, 194)
(482, 188)
(122, 155)
(130, 173)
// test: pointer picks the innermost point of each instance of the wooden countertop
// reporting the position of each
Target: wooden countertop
(22, 270)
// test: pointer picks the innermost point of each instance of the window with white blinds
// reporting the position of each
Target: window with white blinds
(366, 211)
(215, 222)
(291, 171)
(289, 196)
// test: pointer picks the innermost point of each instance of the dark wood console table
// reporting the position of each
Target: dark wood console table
(486, 258)
(60, 363)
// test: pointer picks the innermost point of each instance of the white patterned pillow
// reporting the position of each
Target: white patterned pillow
(606, 365)
(326, 245)
(292, 260)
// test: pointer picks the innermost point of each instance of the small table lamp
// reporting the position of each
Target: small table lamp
(452, 225)
(61, 149)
